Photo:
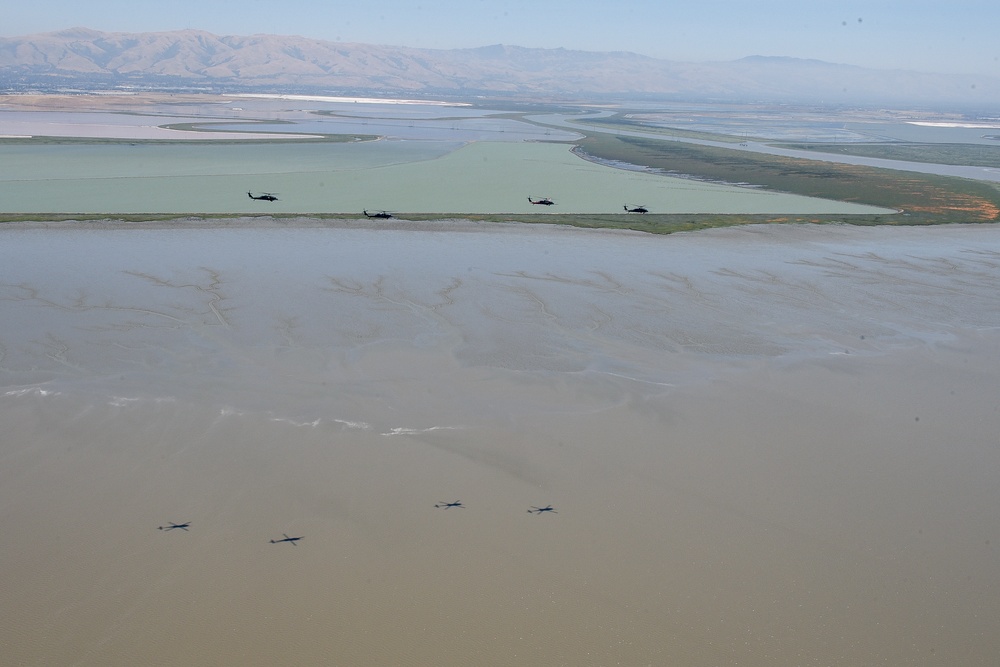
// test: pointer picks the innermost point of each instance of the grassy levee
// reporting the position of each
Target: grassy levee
(305, 138)
(620, 122)
(294, 136)
(920, 198)
(973, 155)
(650, 223)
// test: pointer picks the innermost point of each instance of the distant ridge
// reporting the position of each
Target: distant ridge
(89, 59)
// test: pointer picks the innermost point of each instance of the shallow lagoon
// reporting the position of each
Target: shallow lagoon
(402, 176)
(766, 445)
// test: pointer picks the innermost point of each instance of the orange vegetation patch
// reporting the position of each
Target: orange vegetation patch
(976, 209)
(975, 214)
(935, 200)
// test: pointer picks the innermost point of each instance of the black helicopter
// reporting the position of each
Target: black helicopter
(183, 526)
(290, 540)
(385, 215)
(542, 510)
(636, 209)
(444, 505)
(267, 196)
(544, 201)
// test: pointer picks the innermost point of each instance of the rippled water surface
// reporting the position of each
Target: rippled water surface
(767, 445)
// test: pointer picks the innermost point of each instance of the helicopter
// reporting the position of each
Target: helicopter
(380, 214)
(544, 201)
(183, 526)
(267, 196)
(290, 540)
(636, 209)
(446, 505)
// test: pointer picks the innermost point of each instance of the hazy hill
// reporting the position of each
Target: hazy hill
(89, 58)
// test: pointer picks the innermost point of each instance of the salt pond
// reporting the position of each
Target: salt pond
(403, 176)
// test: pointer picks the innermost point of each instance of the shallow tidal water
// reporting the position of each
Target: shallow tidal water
(765, 445)
(437, 177)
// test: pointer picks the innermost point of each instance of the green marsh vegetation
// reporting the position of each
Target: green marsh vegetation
(920, 198)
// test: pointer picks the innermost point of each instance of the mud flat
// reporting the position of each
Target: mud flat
(765, 445)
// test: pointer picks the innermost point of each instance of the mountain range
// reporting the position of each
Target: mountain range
(85, 58)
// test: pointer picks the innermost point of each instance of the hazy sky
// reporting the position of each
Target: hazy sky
(940, 36)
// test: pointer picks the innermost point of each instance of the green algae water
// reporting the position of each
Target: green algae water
(402, 176)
